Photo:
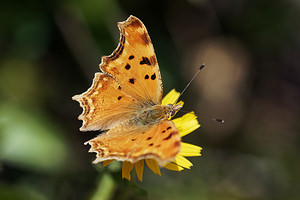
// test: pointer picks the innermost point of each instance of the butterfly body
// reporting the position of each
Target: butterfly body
(155, 114)
(125, 101)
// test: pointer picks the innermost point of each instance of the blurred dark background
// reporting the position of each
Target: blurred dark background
(50, 50)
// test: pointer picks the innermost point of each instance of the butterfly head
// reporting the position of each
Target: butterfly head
(171, 109)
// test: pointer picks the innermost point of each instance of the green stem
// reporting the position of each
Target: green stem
(105, 188)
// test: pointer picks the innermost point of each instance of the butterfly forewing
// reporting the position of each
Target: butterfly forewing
(133, 64)
(104, 104)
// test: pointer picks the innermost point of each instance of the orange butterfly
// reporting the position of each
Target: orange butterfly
(125, 99)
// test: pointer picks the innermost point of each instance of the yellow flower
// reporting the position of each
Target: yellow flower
(185, 125)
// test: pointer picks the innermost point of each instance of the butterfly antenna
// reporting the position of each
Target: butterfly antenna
(201, 67)
(214, 119)
(222, 121)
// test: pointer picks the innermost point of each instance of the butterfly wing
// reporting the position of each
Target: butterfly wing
(131, 80)
(133, 64)
(104, 104)
(160, 142)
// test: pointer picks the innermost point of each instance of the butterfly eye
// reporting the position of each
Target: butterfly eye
(172, 113)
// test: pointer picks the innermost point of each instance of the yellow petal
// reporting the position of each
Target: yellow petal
(174, 167)
(152, 164)
(180, 102)
(189, 150)
(106, 162)
(126, 169)
(182, 161)
(186, 124)
(139, 167)
(170, 98)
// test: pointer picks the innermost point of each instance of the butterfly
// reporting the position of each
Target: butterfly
(125, 101)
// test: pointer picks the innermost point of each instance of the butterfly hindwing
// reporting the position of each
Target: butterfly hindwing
(160, 142)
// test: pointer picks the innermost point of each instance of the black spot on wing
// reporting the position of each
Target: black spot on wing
(127, 67)
(153, 76)
(170, 135)
(146, 61)
(131, 80)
